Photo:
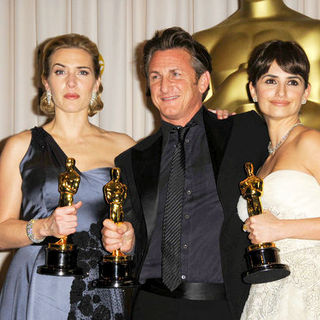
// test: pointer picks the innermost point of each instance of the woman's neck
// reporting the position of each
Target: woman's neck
(69, 126)
(277, 129)
(262, 8)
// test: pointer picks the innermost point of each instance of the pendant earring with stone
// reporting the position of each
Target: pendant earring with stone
(49, 95)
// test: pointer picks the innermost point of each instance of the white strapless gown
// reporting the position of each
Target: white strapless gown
(289, 194)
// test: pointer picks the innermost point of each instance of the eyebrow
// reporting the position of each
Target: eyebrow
(171, 70)
(274, 76)
(63, 66)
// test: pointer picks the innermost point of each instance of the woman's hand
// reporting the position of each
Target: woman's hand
(62, 222)
(117, 236)
(263, 228)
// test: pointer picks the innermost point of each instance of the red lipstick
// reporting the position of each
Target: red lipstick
(71, 96)
(280, 102)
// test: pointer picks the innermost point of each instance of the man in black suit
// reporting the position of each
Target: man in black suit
(202, 278)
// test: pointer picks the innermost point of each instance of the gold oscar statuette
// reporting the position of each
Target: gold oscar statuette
(61, 256)
(262, 259)
(116, 268)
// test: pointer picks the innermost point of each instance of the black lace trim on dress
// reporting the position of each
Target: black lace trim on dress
(86, 301)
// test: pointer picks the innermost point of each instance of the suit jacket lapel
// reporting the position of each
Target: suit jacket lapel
(146, 168)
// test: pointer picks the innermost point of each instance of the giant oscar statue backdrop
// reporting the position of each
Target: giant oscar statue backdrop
(230, 43)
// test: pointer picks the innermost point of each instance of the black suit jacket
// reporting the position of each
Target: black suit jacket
(231, 142)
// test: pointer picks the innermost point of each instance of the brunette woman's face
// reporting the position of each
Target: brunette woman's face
(279, 94)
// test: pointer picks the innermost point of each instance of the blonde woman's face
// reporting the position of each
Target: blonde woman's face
(71, 80)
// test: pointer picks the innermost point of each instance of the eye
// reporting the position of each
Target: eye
(83, 72)
(270, 81)
(175, 74)
(154, 77)
(293, 82)
(59, 72)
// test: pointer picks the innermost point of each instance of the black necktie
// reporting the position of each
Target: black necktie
(171, 228)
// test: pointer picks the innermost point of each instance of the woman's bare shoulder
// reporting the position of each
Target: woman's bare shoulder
(308, 150)
(18, 143)
(122, 140)
(13, 152)
(308, 140)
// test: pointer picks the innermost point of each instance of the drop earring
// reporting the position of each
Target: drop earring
(49, 95)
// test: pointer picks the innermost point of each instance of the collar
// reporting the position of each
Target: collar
(167, 127)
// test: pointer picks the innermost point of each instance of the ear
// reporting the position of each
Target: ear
(252, 90)
(307, 91)
(45, 84)
(97, 85)
(204, 81)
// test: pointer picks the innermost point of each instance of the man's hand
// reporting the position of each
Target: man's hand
(222, 114)
(117, 236)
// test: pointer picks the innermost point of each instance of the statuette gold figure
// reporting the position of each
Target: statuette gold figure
(115, 194)
(68, 186)
(251, 190)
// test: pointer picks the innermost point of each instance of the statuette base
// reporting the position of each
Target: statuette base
(61, 261)
(264, 264)
(266, 273)
(115, 272)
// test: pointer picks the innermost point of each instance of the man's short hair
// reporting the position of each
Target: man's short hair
(177, 38)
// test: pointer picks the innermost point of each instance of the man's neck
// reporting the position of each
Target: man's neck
(182, 122)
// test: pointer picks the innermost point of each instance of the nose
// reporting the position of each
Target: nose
(165, 84)
(281, 90)
(71, 80)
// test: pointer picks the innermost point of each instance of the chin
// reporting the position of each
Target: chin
(171, 115)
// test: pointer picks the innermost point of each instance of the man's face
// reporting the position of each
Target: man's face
(174, 88)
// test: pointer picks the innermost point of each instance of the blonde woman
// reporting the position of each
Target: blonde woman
(29, 167)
